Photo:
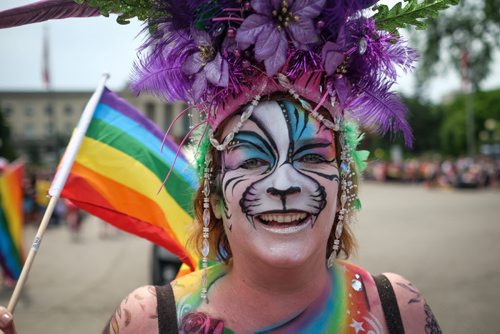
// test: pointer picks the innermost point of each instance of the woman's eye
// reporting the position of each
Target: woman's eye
(312, 159)
(253, 163)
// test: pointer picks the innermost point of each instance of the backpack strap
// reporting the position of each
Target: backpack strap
(389, 305)
(167, 313)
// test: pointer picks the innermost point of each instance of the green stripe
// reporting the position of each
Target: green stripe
(176, 186)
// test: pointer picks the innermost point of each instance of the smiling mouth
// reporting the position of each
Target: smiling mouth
(284, 222)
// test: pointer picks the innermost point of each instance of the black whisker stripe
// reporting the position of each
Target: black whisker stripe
(326, 176)
(266, 133)
(231, 180)
(236, 183)
(306, 120)
(311, 146)
(258, 147)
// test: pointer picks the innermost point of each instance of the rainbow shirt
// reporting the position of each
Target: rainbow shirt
(343, 308)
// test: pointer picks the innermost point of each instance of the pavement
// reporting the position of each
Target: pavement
(445, 241)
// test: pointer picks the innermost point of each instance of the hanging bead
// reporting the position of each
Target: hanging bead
(205, 247)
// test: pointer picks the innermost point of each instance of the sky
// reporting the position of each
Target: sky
(81, 49)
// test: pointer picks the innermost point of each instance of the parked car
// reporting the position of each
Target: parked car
(165, 266)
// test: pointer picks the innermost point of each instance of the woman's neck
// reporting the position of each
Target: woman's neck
(254, 296)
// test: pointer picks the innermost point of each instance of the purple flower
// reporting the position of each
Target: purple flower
(273, 21)
(332, 56)
(201, 323)
(205, 64)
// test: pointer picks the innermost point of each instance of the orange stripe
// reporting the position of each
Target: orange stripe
(124, 199)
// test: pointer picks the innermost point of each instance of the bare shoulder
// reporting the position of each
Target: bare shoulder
(137, 313)
(416, 314)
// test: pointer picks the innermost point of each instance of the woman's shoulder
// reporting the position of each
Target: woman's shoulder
(136, 313)
(415, 314)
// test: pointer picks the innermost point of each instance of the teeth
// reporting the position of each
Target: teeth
(283, 217)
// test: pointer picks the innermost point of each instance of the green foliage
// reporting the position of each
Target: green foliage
(142, 9)
(472, 27)
(412, 13)
(440, 128)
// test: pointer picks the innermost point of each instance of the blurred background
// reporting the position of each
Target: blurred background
(430, 212)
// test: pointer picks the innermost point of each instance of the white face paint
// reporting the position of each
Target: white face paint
(280, 182)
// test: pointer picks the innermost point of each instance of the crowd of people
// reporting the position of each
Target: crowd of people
(464, 172)
(35, 201)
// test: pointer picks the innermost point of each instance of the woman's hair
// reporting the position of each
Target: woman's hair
(220, 249)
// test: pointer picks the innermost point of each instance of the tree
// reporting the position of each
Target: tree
(6, 148)
(452, 133)
(467, 33)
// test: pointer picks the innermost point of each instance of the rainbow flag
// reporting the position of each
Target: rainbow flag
(11, 220)
(118, 173)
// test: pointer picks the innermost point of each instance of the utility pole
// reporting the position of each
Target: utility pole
(467, 88)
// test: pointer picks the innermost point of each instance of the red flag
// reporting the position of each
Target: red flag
(45, 59)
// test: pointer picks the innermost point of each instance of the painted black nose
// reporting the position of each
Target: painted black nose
(283, 193)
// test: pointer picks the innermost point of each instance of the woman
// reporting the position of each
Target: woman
(275, 199)
(277, 85)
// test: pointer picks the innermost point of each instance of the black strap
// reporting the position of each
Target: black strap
(389, 305)
(167, 314)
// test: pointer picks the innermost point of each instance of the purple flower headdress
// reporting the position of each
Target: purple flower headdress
(219, 55)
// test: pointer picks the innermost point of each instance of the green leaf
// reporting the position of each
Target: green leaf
(126, 10)
(412, 13)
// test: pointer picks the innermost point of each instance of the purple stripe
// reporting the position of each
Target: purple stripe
(119, 104)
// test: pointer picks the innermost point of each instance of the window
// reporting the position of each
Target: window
(7, 110)
(150, 111)
(28, 111)
(169, 115)
(186, 121)
(29, 130)
(68, 110)
(49, 110)
(50, 128)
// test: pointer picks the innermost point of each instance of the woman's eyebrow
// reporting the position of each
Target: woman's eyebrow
(308, 144)
(253, 139)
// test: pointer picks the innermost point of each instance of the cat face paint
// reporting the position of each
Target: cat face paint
(279, 182)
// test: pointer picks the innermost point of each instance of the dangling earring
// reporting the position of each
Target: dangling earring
(347, 198)
(205, 246)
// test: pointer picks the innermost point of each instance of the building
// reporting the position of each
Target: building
(41, 123)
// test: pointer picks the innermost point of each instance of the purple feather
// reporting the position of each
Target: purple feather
(336, 13)
(382, 110)
(160, 72)
(43, 11)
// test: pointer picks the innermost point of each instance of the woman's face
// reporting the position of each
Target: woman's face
(279, 182)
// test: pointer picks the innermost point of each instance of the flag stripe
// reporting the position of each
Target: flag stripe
(143, 136)
(178, 186)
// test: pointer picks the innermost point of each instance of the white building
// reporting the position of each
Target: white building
(42, 122)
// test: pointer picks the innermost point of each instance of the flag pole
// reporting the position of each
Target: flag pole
(57, 186)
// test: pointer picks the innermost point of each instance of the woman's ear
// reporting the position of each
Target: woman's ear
(215, 203)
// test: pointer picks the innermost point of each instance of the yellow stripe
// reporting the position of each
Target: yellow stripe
(117, 166)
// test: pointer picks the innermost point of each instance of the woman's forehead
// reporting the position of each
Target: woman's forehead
(278, 118)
